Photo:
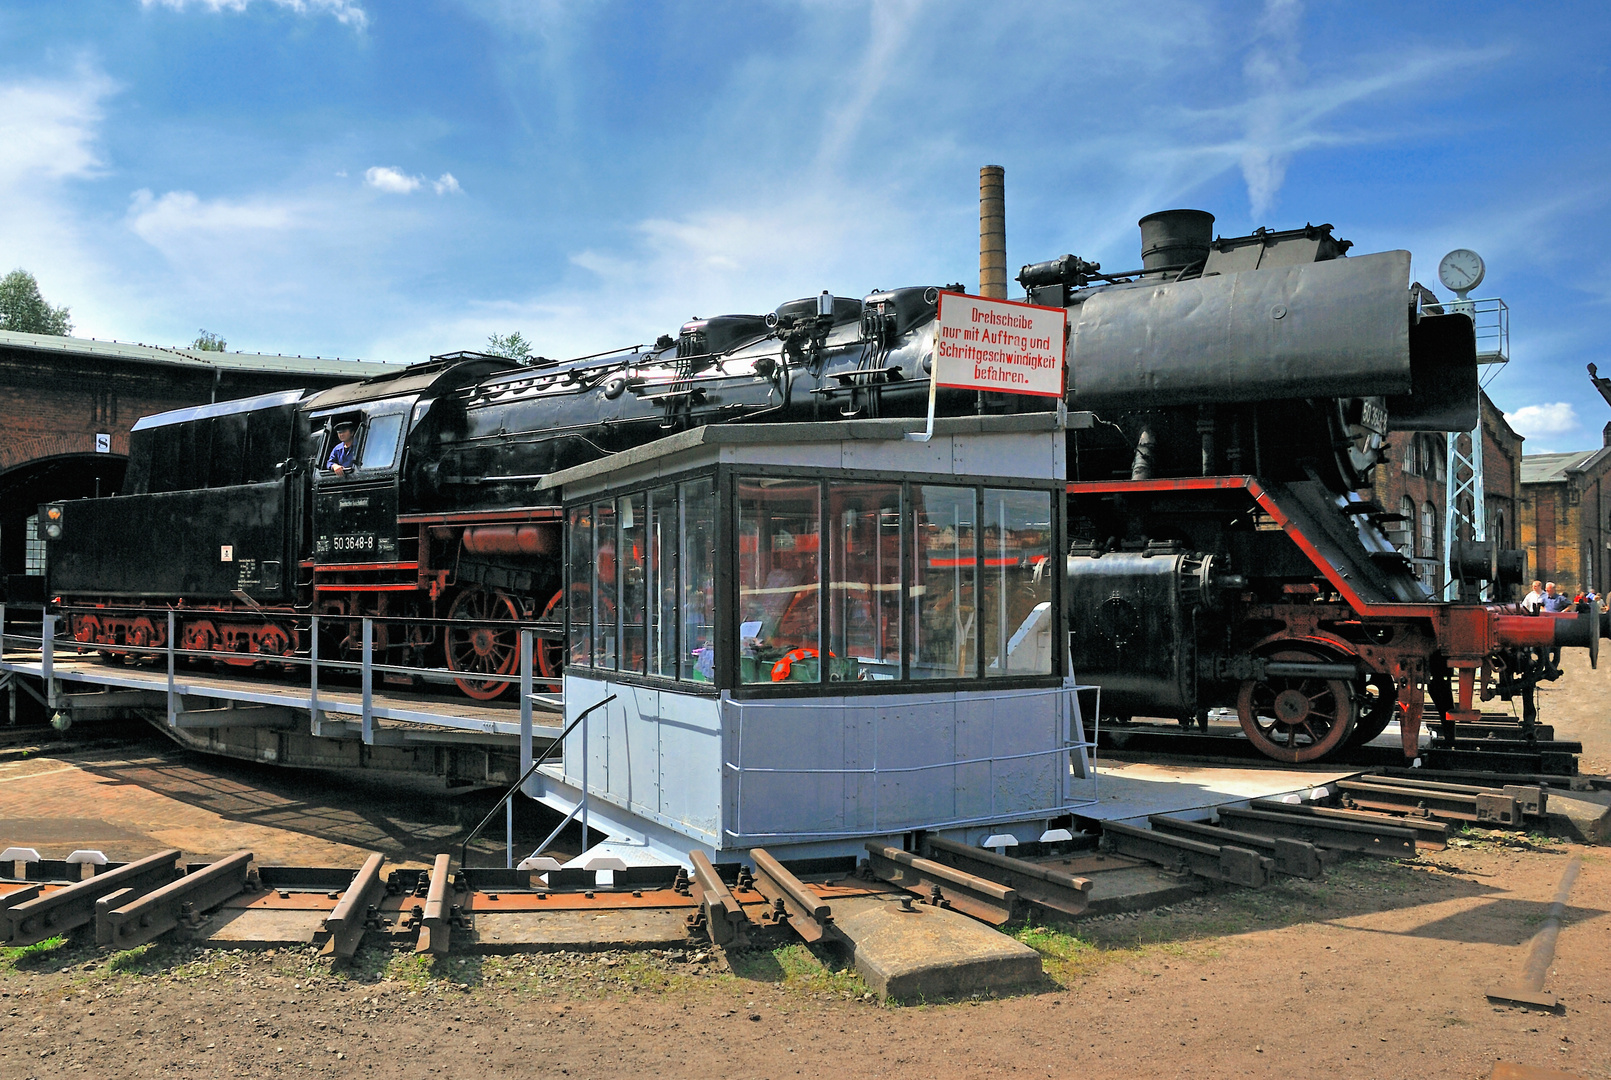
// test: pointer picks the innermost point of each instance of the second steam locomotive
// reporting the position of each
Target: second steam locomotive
(1226, 401)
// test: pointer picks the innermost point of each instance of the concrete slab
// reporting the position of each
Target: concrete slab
(259, 928)
(1130, 791)
(1584, 816)
(641, 928)
(930, 952)
(1140, 888)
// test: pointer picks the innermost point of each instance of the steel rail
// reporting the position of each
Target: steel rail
(793, 903)
(154, 914)
(30, 921)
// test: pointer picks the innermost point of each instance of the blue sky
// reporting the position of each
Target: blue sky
(390, 179)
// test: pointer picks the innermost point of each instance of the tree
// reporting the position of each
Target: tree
(209, 342)
(514, 346)
(22, 309)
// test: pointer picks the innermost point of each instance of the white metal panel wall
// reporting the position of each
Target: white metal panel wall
(735, 773)
(796, 767)
(654, 752)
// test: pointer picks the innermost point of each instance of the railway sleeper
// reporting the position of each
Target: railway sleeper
(1217, 862)
(943, 886)
(1296, 858)
(1486, 807)
(1340, 830)
(1054, 892)
(1532, 799)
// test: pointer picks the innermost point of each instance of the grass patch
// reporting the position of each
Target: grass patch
(140, 960)
(1064, 956)
(36, 955)
(799, 969)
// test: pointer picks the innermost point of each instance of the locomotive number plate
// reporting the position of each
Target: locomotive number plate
(353, 542)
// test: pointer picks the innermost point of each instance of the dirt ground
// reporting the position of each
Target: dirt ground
(1579, 706)
(1379, 971)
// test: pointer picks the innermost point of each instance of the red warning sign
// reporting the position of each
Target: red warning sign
(1001, 346)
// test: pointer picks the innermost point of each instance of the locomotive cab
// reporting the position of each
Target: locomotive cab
(355, 511)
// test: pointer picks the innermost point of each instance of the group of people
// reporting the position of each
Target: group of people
(1546, 597)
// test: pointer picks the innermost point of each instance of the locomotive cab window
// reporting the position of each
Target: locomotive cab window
(380, 438)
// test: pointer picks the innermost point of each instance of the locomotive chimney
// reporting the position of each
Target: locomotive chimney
(1175, 238)
(992, 233)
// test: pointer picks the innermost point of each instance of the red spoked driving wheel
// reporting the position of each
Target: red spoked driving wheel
(483, 647)
(1296, 718)
(551, 650)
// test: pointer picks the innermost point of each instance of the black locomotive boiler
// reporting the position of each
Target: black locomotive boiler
(229, 518)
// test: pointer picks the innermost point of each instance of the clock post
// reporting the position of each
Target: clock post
(1461, 271)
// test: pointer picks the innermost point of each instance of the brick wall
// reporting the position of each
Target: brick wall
(1566, 525)
(1426, 483)
(56, 404)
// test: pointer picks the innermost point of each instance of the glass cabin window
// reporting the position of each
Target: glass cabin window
(943, 620)
(660, 539)
(633, 562)
(1016, 600)
(579, 593)
(33, 548)
(820, 571)
(864, 581)
(604, 586)
(780, 580)
(697, 551)
(380, 441)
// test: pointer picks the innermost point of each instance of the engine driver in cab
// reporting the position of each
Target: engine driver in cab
(343, 456)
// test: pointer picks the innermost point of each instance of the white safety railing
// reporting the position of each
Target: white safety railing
(318, 700)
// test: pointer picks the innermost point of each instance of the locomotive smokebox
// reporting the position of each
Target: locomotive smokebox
(1175, 238)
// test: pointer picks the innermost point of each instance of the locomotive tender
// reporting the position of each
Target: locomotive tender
(1228, 399)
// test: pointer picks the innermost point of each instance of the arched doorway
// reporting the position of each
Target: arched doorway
(23, 488)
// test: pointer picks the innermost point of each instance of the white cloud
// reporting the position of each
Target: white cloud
(344, 11)
(395, 181)
(50, 134)
(1272, 70)
(182, 214)
(49, 129)
(702, 263)
(1555, 418)
(392, 180)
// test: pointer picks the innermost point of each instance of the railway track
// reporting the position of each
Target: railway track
(447, 908)
(1499, 745)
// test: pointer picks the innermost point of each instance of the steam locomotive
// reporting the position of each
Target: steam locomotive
(1227, 399)
(1239, 393)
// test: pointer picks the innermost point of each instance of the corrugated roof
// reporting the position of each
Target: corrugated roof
(195, 358)
(1554, 468)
